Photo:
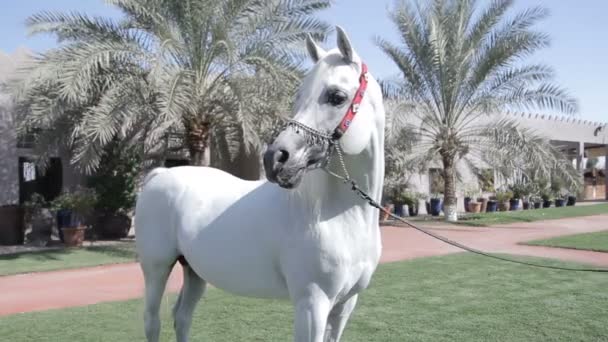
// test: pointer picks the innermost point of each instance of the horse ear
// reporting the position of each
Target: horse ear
(344, 45)
(315, 51)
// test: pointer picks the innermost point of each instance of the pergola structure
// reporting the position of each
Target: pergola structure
(579, 139)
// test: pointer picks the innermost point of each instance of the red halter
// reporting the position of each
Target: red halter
(354, 107)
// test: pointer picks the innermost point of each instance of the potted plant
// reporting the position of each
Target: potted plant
(72, 208)
(38, 220)
(435, 205)
(560, 201)
(547, 199)
(571, 201)
(474, 207)
(412, 200)
(398, 200)
(557, 188)
(492, 205)
(470, 196)
(537, 202)
(11, 225)
(467, 200)
(520, 192)
(115, 183)
(503, 197)
(387, 205)
(484, 203)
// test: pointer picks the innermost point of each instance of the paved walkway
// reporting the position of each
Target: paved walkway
(50, 290)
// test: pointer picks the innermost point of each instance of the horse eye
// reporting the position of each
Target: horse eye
(336, 97)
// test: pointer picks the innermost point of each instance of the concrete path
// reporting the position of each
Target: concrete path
(79, 287)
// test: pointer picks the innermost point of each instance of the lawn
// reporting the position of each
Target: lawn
(597, 241)
(459, 297)
(66, 258)
(489, 219)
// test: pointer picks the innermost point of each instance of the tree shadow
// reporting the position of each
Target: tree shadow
(119, 251)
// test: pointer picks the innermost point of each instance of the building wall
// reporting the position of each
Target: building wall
(9, 157)
(9, 153)
(9, 176)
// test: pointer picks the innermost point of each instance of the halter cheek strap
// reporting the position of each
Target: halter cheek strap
(314, 136)
(354, 107)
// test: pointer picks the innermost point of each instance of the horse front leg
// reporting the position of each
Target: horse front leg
(311, 313)
(338, 317)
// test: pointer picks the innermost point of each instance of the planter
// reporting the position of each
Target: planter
(435, 206)
(526, 205)
(547, 204)
(428, 207)
(484, 204)
(74, 236)
(117, 225)
(384, 215)
(514, 204)
(571, 201)
(66, 218)
(467, 201)
(412, 210)
(560, 202)
(474, 207)
(491, 206)
(11, 225)
(503, 206)
(537, 205)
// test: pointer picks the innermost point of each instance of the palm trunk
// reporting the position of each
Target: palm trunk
(449, 193)
(197, 140)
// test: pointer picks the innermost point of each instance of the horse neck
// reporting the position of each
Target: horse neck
(332, 197)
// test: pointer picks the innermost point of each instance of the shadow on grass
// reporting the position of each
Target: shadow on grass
(119, 251)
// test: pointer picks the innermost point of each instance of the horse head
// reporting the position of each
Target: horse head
(332, 110)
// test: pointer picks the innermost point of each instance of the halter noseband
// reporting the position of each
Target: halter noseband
(314, 136)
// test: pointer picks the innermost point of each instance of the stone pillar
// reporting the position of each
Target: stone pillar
(580, 157)
(606, 171)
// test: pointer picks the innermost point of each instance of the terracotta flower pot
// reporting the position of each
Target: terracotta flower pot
(73, 237)
(503, 206)
(467, 201)
(484, 203)
(384, 215)
(474, 207)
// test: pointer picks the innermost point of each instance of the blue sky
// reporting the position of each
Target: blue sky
(578, 31)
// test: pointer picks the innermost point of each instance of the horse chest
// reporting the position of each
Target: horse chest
(340, 259)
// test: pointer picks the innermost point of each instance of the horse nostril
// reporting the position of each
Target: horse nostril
(282, 156)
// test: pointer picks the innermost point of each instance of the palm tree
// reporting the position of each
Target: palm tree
(462, 73)
(166, 65)
(400, 141)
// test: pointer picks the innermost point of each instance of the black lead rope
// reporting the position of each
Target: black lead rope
(373, 203)
(332, 147)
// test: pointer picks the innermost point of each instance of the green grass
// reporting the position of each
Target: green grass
(66, 258)
(597, 241)
(458, 297)
(489, 219)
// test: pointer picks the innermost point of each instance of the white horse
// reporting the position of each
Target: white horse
(310, 240)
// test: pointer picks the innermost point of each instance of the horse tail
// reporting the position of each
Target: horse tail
(154, 173)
